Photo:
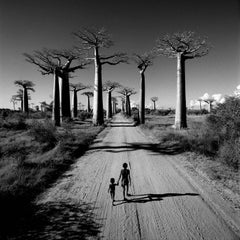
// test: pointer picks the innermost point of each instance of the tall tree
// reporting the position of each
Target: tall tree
(114, 105)
(75, 88)
(127, 92)
(60, 64)
(89, 95)
(183, 46)
(109, 86)
(154, 100)
(26, 86)
(94, 40)
(143, 61)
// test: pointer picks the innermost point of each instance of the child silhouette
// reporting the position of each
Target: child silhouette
(111, 189)
(125, 180)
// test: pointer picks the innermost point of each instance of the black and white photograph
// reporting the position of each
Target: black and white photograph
(119, 120)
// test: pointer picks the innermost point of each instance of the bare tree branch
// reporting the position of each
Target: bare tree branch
(186, 43)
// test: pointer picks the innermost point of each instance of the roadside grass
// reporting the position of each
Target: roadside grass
(32, 158)
(202, 146)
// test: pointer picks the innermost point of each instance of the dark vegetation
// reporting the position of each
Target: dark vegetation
(33, 154)
(218, 136)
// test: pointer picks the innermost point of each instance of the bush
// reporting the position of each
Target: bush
(84, 115)
(15, 121)
(197, 112)
(229, 153)
(44, 132)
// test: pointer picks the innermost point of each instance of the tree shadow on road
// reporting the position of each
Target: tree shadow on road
(149, 197)
(57, 220)
(154, 148)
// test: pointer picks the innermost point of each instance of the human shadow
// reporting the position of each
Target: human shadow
(154, 148)
(150, 197)
(57, 220)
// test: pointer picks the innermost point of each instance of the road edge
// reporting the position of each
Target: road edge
(208, 192)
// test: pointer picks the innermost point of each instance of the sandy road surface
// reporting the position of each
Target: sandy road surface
(163, 204)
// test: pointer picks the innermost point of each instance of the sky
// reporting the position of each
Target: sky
(29, 25)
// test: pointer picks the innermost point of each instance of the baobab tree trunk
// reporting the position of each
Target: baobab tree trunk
(56, 102)
(200, 105)
(109, 104)
(98, 118)
(128, 106)
(154, 105)
(88, 104)
(65, 96)
(142, 99)
(181, 115)
(113, 107)
(25, 100)
(74, 104)
(123, 109)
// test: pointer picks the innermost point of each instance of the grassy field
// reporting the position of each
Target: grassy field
(199, 147)
(33, 154)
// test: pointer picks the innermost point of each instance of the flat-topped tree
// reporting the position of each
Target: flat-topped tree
(96, 39)
(89, 95)
(183, 46)
(75, 88)
(143, 62)
(60, 64)
(26, 86)
(127, 92)
(154, 100)
(109, 86)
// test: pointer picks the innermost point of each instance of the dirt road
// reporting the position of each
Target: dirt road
(162, 205)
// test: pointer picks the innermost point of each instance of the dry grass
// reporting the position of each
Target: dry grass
(202, 146)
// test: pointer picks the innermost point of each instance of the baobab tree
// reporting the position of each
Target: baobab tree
(109, 86)
(154, 100)
(94, 40)
(209, 101)
(143, 61)
(122, 98)
(59, 63)
(127, 92)
(14, 101)
(89, 95)
(26, 86)
(114, 105)
(200, 103)
(75, 88)
(183, 46)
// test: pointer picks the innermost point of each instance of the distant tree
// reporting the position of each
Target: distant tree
(59, 63)
(143, 61)
(109, 86)
(154, 100)
(127, 92)
(122, 98)
(209, 101)
(200, 103)
(183, 46)
(95, 39)
(89, 95)
(26, 86)
(75, 88)
(114, 105)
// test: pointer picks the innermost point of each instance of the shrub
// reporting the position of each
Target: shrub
(15, 121)
(229, 153)
(44, 132)
(84, 115)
